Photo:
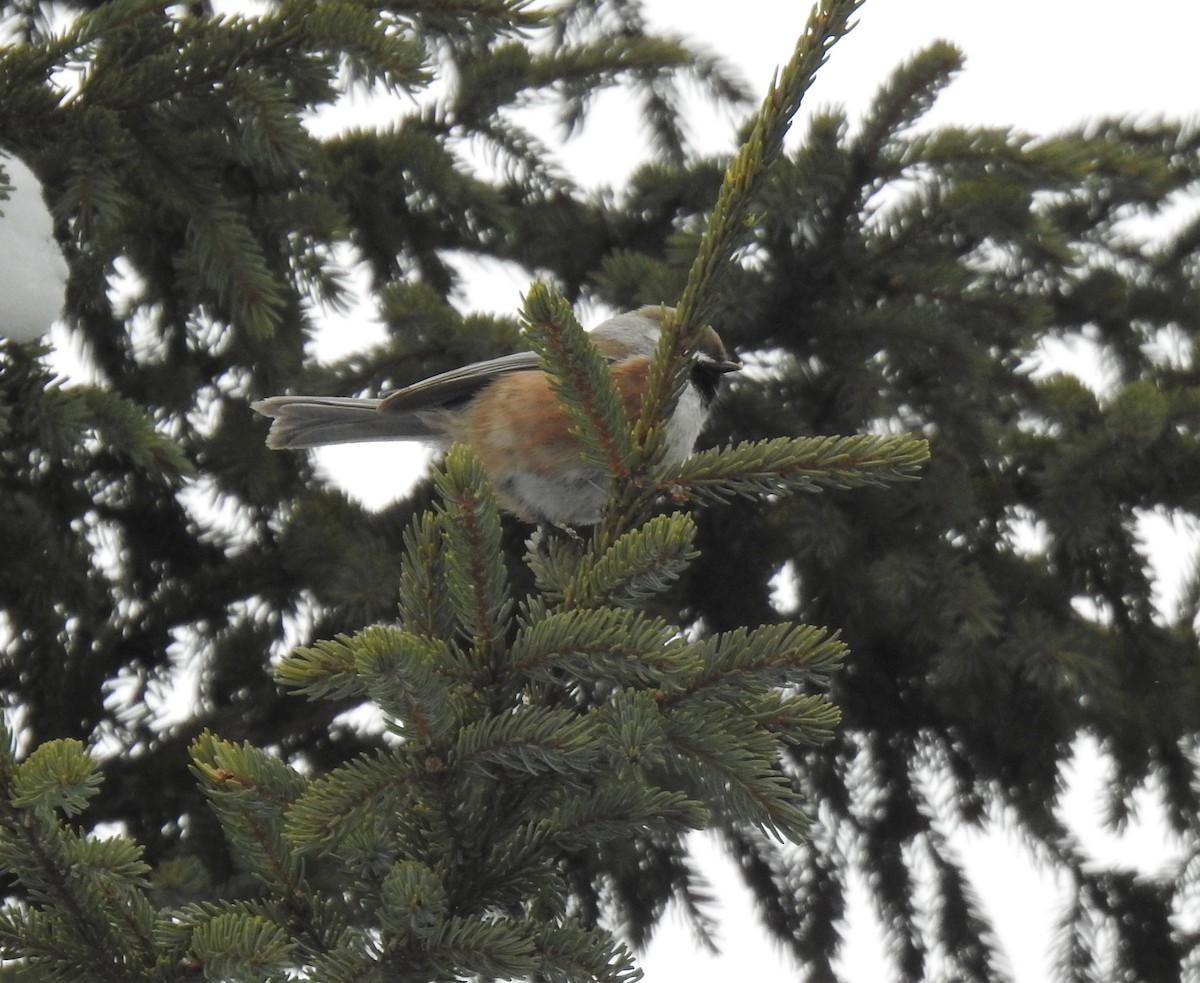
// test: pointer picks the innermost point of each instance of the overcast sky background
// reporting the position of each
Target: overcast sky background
(1038, 65)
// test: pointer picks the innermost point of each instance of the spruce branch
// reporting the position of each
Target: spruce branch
(727, 229)
(580, 379)
(907, 95)
(917, 312)
(554, 562)
(473, 553)
(621, 647)
(332, 807)
(519, 731)
(573, 952)
(528, 741)
(802, 719)
(84, 429)
(604, 814)
(86, 897)
(126, 432)
(34, 63)
(641, 563)
(635, 730)
(790, 464)
(422, 607)
(413, 898)
(250, 791)
(407, 675)
(327, 669)
(57, 775)
(234, 945)
(769, 657)
(472, 18)
(371, 50)
(730, 764)
(499, 949)
(409, 678)
(227, 256)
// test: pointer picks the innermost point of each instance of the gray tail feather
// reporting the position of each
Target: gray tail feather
(313, 421)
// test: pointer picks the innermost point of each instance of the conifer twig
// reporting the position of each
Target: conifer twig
(726, 230)
(828, 22)
(579, 378)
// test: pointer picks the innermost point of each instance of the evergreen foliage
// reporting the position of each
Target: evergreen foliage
(557, 715)
(522, 739)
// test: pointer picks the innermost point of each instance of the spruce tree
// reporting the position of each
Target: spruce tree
(530, 729)
(201, 220)
(558, 716)
(1001, 609)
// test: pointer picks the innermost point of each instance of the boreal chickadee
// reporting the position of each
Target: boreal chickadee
(506, 411)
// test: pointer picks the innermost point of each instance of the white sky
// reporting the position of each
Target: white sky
(1038, 65)
(32, 267)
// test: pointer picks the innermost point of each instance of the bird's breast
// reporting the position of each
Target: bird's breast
(522, 436)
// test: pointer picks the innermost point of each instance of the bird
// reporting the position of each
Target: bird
(506, 411)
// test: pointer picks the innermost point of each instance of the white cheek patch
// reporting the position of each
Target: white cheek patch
(684, 427)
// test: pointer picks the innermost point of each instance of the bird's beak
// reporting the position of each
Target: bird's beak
(725, 365)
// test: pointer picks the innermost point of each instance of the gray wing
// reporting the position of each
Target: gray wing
(450, 387)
